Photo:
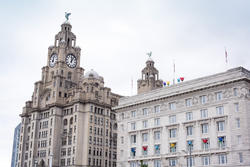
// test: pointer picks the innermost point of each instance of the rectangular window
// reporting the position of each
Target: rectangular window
(236, 107)
(144, 150)
(222, 142)
(218, 96)
(144, 137)
(241, 157)
(204, 113)
(122, 116)
(122, 140)
(145, 111)
(157, 109)
(189, 116)
(133, 152)
(173, 162)
(157, 149)
(220, 126)
(238, 122)
(204, 128)
(132, 164)
(133, 139)
(189, 130)
(190, 161)
(188, 102)
(205, 160)
(133, 126)
(235, 91)
(222, 158)
(145, 123)
(172, 106)
(205, 144)
(172, 133)
(220, 110)
(172, 119)
(238, 139)
(203, 99)
(133, 114)
(173, 147)
(157, 121)
(157, 163)
(190, 146)
(157, 135)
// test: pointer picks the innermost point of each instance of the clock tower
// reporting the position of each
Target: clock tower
(69, 121)
(63, 71)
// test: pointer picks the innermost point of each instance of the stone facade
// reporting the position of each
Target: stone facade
(209, 116)
(69, 121)
(150, 78)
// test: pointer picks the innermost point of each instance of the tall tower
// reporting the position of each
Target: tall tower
(69, 120)
(150, 78)
(62, 71)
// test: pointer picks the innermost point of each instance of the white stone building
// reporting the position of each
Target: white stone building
(209, 116)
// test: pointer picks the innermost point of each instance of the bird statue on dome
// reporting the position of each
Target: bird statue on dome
(67, 15)
(149, 54)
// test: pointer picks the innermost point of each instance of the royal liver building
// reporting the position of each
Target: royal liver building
(201, 122)
(69, 120)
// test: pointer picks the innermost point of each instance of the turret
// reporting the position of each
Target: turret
(150, 78)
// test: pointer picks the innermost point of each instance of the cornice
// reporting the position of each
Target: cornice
(230, 76)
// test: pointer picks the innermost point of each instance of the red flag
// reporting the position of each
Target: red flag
(204, 140)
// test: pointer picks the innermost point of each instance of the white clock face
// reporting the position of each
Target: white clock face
(53, 60)
(71, 61)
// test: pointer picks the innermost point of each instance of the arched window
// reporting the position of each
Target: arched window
(71, 121)
(115, 126)
(65, 122)
(68, 42)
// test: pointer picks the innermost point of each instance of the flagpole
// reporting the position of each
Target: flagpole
(131, 86)
(226, 55)
(174, 72)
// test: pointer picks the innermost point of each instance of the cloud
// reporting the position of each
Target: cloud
(115, 37)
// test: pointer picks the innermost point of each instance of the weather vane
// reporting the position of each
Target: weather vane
(149, 54)
(67, 16)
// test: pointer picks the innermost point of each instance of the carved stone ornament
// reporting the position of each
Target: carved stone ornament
(195, 100)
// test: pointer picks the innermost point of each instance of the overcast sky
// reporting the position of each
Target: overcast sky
(114, 37)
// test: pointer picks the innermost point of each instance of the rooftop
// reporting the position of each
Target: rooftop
(230, 75)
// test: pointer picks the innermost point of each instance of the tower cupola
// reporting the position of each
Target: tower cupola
(150, 77)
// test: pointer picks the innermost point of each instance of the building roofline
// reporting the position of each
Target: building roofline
(229, 76)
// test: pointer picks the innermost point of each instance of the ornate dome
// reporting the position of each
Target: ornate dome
(92, 74)
(150, 59)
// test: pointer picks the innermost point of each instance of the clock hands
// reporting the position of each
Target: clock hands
(71, 61)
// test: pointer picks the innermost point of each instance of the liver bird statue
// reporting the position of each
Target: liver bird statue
(67, 15)
(149, 54)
